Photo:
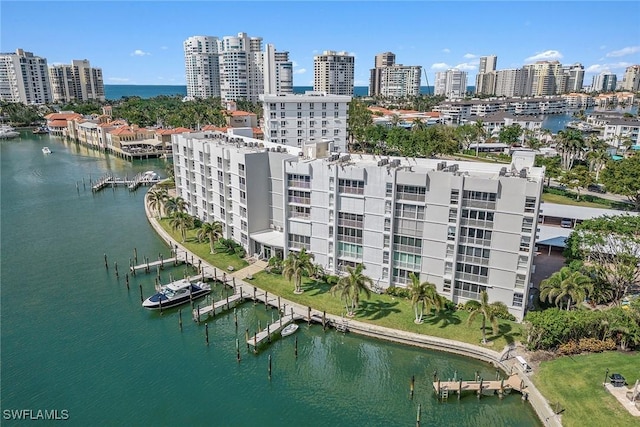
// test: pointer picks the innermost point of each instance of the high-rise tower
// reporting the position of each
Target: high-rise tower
(333, 73)
(202, 67)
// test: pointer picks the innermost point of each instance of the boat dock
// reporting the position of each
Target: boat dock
(480, 387)
(219, 306)
(161, 262)
(270, 330)
(132, 184)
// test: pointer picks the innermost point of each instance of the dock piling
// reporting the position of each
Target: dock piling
(180, 319)
(418, 415)
(135, 255)
(296, 348)
(141, 297)
(246, 337)
(238, 350)
(206, 333)
(115, 266)
(269, 366)
(126, 276)
(411, 386)
(106, 264)
(309, 315)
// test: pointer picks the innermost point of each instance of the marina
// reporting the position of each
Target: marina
(45, 358)
(143, 178)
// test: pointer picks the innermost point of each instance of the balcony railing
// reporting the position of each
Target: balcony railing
(300, 200)
(350, 223)
(468, 277)
(407, 249)
(350, 239)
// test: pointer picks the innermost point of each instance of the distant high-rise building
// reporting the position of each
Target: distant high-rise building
(451, 83)
(509, 82)
(575, 78)
(486, 77)
(278, 71)
(24, 78)
(604, 82)
(202, 67)
(394, 80)
(631, 78)
(241, 68)
(543, 78)
(76, 82)
(333, 73)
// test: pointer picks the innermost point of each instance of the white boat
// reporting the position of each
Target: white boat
(289, 329)
(46, 150)
(7, 132)
(176, 293)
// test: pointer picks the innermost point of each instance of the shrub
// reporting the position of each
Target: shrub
(397, 292)
(471, 305)
(332, 280)
(583, 345)
(501, 311)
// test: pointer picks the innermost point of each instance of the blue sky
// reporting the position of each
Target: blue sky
(140, 42)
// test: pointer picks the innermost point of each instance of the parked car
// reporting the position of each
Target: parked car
(597, 188)
(617, 380)
(566, 223)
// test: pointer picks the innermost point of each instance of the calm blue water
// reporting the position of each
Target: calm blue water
(73, 338)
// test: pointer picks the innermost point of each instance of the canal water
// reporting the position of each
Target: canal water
(76, 341)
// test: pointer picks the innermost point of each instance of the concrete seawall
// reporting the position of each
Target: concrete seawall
(497, 359)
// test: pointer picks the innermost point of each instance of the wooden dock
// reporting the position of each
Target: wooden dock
(132, 184)
(480, 387)
(272, 329)
(161, 262)
(219, 306)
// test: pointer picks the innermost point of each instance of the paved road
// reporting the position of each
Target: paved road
(608, 196)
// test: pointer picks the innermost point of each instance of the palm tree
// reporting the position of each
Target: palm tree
(565, 284)
(487, 312)
(182, 222)
(424, 296)
(156, 198)
(481, 134)
(597, 159)
(295, 266)
(570, 145)
(211, 231)
(352, 285)
(418, 124)
(175, 204)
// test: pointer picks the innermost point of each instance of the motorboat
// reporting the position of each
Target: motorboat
(46, 150)
(176, 293)
(289, 329)
(7, 132)
(41, 130)
(150, 176)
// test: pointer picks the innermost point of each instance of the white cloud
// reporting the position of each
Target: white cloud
(624, 51)
(440, 66)
(465, 66)
(300, 71)
(547, 55)
(469, 55)
(599, 68)
(446, 50)
(119, 79)
(139, 52)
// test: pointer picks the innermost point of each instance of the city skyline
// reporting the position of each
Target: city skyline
(150, 51)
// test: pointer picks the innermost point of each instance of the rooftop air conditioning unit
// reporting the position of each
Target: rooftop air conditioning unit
(523, 173)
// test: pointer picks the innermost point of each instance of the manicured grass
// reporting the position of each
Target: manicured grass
(220, 260)
(391, 312)
(564, 200)
(576, 384)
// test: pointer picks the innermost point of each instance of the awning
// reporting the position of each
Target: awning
(274, 239)
(556, 242)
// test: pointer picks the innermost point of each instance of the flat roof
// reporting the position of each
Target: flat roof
(578, 212)
(270, 238)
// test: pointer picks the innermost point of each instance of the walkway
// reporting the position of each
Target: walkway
(620, 393)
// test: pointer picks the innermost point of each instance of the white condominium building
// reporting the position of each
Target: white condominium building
(333, 73)
(294, 120)
(278, 71)
(394, 80)
(24, 78)
(76, 82)
(451, 83)
(466, 227)
(241, 67)
(631, 78)
(201, 61)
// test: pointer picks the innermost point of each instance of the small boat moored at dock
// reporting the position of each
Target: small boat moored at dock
(41, 130)
(46, 150)
(176, 293)
(7, 132)
(289, 329)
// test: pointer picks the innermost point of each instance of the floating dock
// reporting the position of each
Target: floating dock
(219, 306)
(272, 329)
(109, 180)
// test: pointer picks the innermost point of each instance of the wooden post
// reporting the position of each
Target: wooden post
(278, 303)
(268, 332)
(309, 315)
(206, 333)
(435, 375)
(234, 283)
(255, 343)
(455, 375)
(411, 386)
(246, 337)
(147, 259)
(254, 295)
(197, 313)
(126, 276)
(459, 388)
(141, 298)
(266, 298)
(296, 348)
(238, 350)
(106, 264)
(438, 388)
(180, 319)
(215, 274)
(269, 366)
(235, 317)
(324, 320)
(160, 303)
(227, 302)
(135, 255)
(501, 394)
(480, 389)
(161, 262)
(418, 415)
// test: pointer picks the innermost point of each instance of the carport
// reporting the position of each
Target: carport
(559, 242)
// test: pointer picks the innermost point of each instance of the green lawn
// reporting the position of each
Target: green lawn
(202, 250)
(391, 312)
(576, 384)
(564, 200)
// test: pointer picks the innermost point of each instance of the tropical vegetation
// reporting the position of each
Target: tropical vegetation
(296, 266)
(487, 311)
(424, 297)
(350, 287)
(565, 285)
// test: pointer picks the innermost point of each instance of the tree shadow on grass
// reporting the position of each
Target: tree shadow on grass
(377, 309)
(504, 331)
(445, 317)
(315, 288)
